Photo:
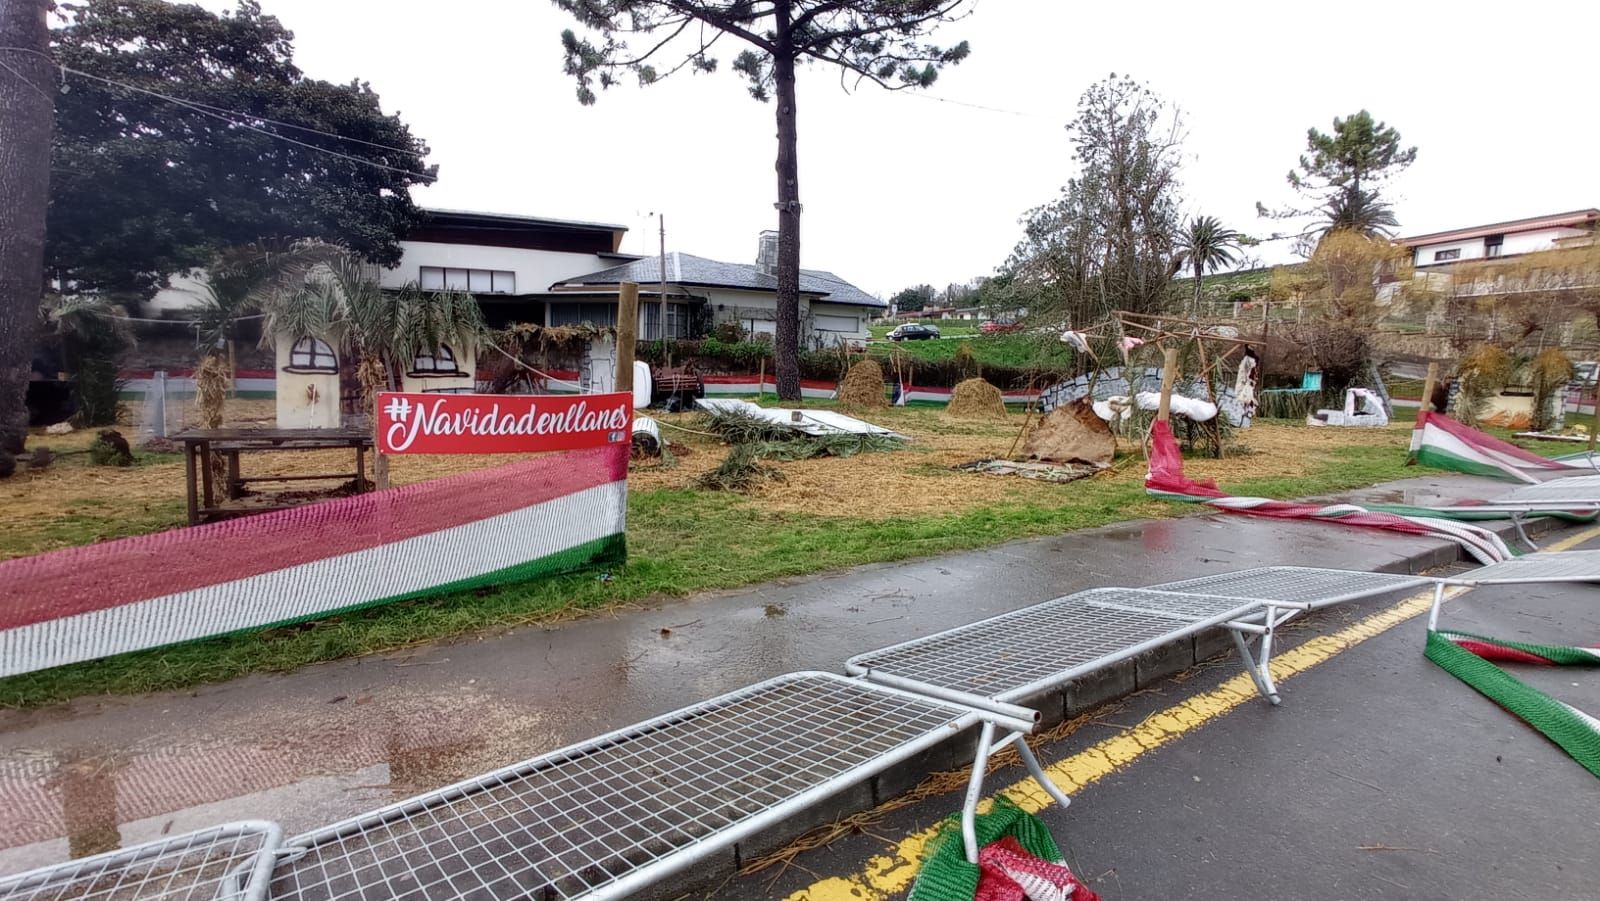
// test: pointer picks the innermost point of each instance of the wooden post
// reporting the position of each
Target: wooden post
(1427, 389)
(761, 379)
(627, 334)
(1211, 393)
(1169, 373)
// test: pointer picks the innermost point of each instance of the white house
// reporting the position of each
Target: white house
(711, 292)
(1499, 239)
(550, 272)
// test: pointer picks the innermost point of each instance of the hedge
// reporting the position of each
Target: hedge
(713, 356)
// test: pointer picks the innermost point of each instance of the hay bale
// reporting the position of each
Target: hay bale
(1072, 433)
(863, 387)
(976, 399)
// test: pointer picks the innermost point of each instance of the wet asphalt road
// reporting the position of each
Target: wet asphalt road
(1380, 776)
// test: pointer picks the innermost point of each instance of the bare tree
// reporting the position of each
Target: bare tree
(1107, 243)
(878, 41)
(27, 106)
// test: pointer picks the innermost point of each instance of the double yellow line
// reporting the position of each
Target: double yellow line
(886, 874)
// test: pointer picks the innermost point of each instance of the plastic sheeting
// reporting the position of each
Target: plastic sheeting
(810, 422)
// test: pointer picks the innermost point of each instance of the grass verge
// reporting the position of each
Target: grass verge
(680, 541)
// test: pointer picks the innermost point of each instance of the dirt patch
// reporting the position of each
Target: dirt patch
(976, 399)
(863, 387)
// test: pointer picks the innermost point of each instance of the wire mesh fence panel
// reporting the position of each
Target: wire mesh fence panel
(604, 817)
(1566, 566)
(161, 405)
(1566, 490)
(1297, 584)
(231, 861)
(1014, 654)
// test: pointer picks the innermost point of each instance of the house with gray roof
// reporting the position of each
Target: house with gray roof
(702, 293)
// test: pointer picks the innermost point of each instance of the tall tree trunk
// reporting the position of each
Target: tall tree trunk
(1199, 276)
(27, 111)
(786, 349)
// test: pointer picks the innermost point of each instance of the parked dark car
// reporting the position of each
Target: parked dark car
(914, 331)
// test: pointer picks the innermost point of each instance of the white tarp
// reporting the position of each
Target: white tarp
(811, 422)
(1113, 408)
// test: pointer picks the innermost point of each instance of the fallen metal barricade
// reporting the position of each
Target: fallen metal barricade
(609, 816)
(232, 861)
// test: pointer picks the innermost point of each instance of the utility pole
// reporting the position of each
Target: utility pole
(662, 218)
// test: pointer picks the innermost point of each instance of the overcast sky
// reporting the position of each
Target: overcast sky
(900, 189)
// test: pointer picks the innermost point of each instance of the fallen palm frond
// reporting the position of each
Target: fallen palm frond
(755, 439)
(804, 447)
(741, 470)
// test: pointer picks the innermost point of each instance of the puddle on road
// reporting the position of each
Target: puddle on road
(299, 767)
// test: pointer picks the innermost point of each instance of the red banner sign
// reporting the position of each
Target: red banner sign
(500, 423)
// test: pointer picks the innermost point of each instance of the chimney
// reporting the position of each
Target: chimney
(767, 253)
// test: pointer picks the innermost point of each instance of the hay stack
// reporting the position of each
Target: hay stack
(1072, 433)
(976, 399)
(863, 387)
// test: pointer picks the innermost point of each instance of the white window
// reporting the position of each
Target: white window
(650, 320)
(597, 314)
(850, 324)
(1439, 256)
(478, 281)
(312, 355)
(441, 362)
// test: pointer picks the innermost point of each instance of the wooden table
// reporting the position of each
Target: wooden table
(200, 444)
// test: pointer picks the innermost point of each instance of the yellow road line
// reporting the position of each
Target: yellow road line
(886, 874)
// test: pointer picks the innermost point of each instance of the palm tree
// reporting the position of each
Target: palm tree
(93, 331)
(1358, 211)
(240, 281)
(344, 305)
(1205, 245)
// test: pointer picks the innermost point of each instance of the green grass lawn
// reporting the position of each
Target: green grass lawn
(1017, 351)
(679, 541)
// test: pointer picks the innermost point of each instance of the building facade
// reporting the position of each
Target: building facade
(1500, 239)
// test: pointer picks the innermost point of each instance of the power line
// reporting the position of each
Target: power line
(992, 109)
(233, 117)
(26, 80)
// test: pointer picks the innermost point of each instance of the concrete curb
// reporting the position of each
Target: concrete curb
(1101, 688)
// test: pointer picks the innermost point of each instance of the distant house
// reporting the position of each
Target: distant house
(1500, 239)
(711, 292)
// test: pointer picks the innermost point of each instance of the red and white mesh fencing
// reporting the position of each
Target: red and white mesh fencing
(525, 519)
(1167, 481)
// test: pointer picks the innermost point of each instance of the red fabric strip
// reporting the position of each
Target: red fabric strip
(1496, 652)
(98, 576)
